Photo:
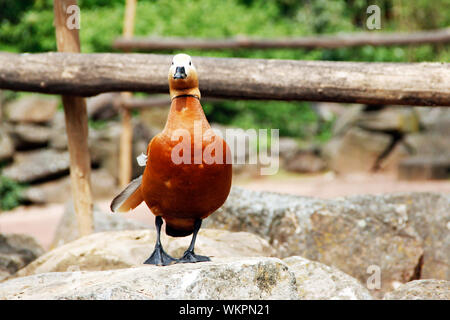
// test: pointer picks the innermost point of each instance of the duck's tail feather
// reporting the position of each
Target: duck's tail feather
(129, 198)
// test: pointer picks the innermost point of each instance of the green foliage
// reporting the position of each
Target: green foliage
(292, 118)
(10, 193)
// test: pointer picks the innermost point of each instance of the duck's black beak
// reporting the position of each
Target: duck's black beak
(180, 73)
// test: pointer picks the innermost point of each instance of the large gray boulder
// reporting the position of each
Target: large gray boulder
(130, 248)
(316, 281)
(16, 251)
(421, 290)
(67, 229)
(229, 278)
(402, 234)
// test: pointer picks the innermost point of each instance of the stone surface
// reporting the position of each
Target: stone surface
(392, 118)
(38, 165)
(436, 119)
(428, 143)
(229, 278)
(32, 108)
(429, 215)
(16, 251)
(424, 167)
(305, 161)
(67, 229)
(356, 150)
(29, 135)
(58, 191)
(124, 249)
(421, 290)
(103, 106)
(347, 119)
(316, 281)
(404, 234)
(391, 162)
(6, 146)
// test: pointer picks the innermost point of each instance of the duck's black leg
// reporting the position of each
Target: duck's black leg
(189, 255)
(159, 256)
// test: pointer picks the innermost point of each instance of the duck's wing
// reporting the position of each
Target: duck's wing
(129, 198)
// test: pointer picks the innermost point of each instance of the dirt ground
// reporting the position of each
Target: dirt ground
(41, 221)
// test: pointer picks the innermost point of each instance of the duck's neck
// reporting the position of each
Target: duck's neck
(183, 92)
(184, 111)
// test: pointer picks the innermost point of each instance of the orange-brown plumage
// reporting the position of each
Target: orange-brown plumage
(181, 192)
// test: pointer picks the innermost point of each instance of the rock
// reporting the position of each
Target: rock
(222, 243)
(103, 106)
(67, 229)
(229, 278)
(32, 108)
(357, 150)
(352, 234)
(305, 161)
(59, 190)
(316, 281)
(6, 146)
(16, 251)
(38, 165)
(424, 167)
(347, 119)
(428, 144)
(391, 161)
(393, 118)
(402, 234)
(435, 120)
(328, 111)
(104, 145)
(125, 249)
(252, 211)
(421, 290)
(287, 147)
(58, 137)
(30, 136)
(429, 214)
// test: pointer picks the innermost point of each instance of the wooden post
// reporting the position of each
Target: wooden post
(126, 136)
(76, 125)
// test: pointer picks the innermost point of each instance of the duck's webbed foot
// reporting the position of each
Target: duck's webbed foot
(190, 257)
(160, 258)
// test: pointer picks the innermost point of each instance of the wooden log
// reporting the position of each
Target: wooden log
(76, 126)
(422, 84)
(126, 135)
(317, 42)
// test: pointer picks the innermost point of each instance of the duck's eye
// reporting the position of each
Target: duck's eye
(190, 63)
(172, 62)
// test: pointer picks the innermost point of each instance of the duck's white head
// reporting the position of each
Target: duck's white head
(183, 78)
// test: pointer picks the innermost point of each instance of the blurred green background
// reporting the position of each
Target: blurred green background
(27, 26)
